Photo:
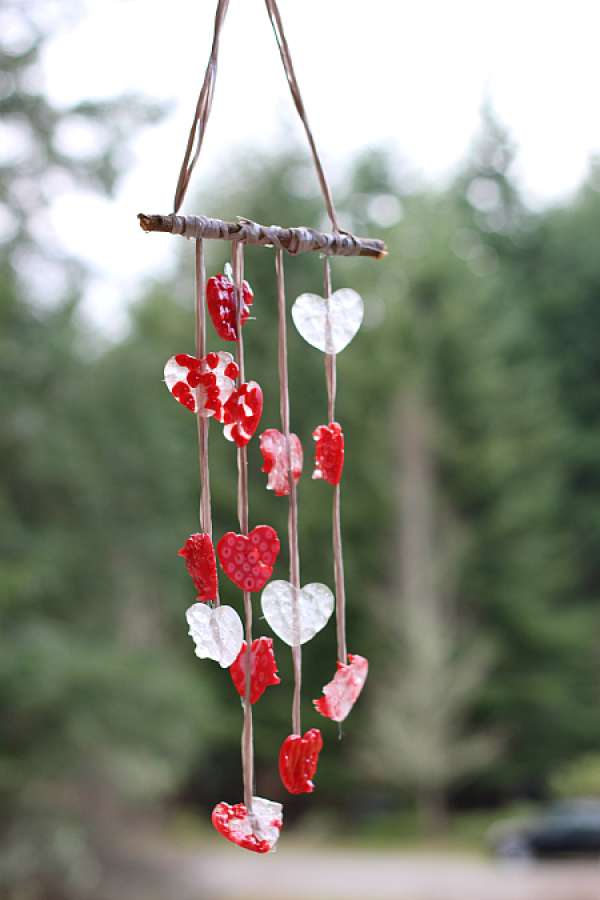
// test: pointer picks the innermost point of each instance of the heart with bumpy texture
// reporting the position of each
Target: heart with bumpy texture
(199, 555)
(248, 560)
(342, 692)
(329, 324)
(263, 668)
(279, 462)
(221, 302)
(298, 760)
(202, 385)
(329, 452)
(217, 633)
(296, 614)
(257, 830)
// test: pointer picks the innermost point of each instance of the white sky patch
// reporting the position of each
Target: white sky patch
(409, 75)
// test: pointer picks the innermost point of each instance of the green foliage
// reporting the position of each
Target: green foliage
(578, 778)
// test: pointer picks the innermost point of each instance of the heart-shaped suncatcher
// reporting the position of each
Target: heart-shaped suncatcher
(257, 830)
(215, 386)
(217, 633)
(248, 560)
(329, 323)
(296, 615)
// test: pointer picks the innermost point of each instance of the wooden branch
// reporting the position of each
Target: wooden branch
(294, 240)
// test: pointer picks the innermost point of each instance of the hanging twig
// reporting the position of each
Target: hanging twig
(294, 240)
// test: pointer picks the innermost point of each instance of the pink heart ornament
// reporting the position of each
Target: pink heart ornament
(342, 692)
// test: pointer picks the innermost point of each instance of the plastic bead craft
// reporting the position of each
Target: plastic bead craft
(213, 385)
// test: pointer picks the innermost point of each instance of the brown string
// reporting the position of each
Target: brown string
(338, 557)
(202, 422)
(286, 58)
(203, 108)
(204, 105)
(242, 462)
(284, 405)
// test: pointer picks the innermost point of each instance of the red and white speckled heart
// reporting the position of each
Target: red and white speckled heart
(342, 692)
(277, 461)
(202, 385)
(257, 830)
(248, 560)
(242, 412)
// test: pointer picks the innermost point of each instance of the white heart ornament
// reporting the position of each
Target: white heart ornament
(329, 324)
(217, 633)
(296, 622)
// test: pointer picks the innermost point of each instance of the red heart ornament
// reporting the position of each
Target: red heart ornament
(329, 452)
(242, 412)
(257, 830)
(221, 302)
(274, 449)
(202, 385)
(248, 561)
(298, 760)
(342, 692)
(263, 669)
(199, 556)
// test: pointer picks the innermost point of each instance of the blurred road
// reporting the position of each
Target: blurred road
(291, 874)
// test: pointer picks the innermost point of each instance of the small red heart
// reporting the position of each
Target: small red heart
(199, 556)
(242, 412)
(263, 669)
(329, 452)
(274, 449)
(257, 830)
(342, 692)
(202, 385)
(298, 760)
(220, 296)
(248, 561)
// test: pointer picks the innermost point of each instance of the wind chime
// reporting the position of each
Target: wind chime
(213, 385)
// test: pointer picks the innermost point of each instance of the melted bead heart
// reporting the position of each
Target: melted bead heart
(263, 669)
(217, 633)
(199, 556)
(328, 324)
(257, 830)
(298, 760)
(274, 449)
(202, 385)
(248, 561)
(329, 452)
(221, 302)
(296, 623)
(242, 412)
(342, 692)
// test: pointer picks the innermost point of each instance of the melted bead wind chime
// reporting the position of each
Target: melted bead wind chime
(213, 385)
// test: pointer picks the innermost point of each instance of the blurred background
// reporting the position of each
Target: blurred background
(463, 136)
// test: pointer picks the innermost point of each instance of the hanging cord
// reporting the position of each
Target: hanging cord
(284, 406)
(338, 557)
(202, 421)
(242, 461)
(286, 58)
(203, 108)
(204, 105)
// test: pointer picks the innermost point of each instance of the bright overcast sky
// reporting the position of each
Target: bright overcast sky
(410, 73)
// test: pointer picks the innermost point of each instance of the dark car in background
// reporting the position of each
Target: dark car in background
(569, 828)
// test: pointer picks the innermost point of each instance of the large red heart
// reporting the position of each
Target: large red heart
(342, 692)
(199, 556)
(274, 449)
(248, 560)
(202, 385)
(220, 296)
(298, 760)
(263, 669)
(329, 452)
(257, 830)
(242, 412)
